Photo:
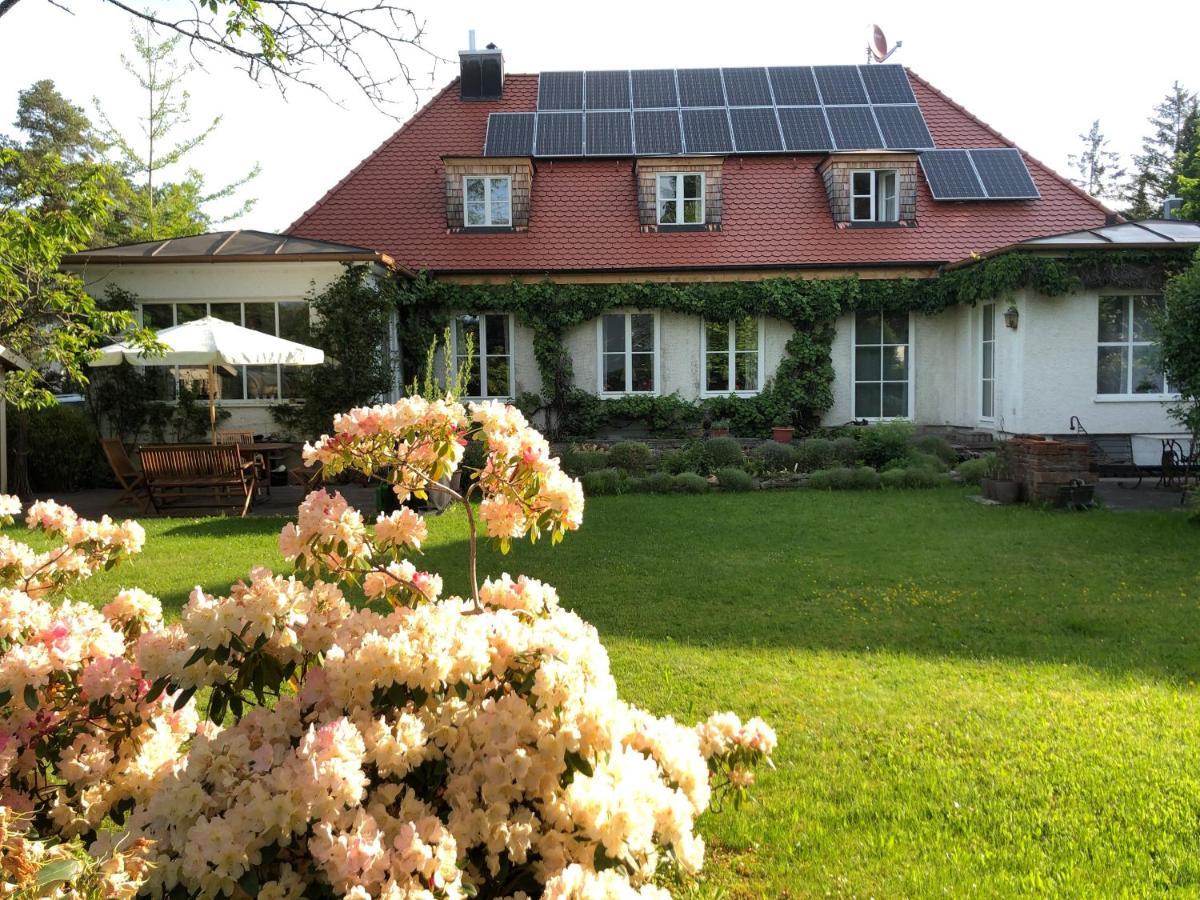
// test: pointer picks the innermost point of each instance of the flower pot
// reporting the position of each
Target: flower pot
(782, 433)
(1005, 492)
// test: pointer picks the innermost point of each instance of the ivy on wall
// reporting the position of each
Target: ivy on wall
(801, 388)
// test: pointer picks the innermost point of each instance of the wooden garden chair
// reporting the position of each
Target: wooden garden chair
(244, 438)
(132, 482)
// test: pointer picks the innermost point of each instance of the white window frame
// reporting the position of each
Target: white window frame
(482, 355)
(208, 304)
(732, 352)
(679, 199)
(628, 352)
(487, 200)
(912, 371)
(987, 380)
(873, 194)
(1128, 345)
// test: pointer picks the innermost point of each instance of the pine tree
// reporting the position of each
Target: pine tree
(1098, 169)
(155, 207)
(1157, 167)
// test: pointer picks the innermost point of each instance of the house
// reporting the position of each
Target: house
(812, 243)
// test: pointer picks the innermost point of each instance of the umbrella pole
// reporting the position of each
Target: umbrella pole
(212, 401)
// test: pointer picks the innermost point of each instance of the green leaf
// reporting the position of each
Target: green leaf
(200, 653)
(61, 871)
(182, 700)
(157, 688)
(31, 697)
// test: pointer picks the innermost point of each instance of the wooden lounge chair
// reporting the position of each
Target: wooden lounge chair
(198, 475)
(132, 482)
(244, 438)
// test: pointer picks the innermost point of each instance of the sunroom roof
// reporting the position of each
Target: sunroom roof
(1146, 233)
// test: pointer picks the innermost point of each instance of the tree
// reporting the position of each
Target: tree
(1188, 179)
(1099, 170)
(1179, 349)
(152, 207)
(1157, 167)
(287, 41)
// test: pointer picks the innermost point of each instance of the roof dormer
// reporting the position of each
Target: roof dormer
(871, 188)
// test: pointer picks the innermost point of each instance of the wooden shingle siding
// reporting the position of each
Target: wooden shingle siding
(836, 169)
(520, 169)
(647, 170)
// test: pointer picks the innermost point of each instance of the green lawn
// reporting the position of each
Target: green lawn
(970, 700)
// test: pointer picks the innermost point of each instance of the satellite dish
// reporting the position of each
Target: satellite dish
(877, 49)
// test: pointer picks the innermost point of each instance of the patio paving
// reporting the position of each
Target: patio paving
(282, 502)
(1146, 496)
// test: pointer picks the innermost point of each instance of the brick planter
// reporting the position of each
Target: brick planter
(1043, 465)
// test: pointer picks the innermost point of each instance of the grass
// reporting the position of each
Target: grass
(970, 700)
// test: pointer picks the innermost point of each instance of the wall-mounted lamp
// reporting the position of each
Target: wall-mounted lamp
(1012, 316)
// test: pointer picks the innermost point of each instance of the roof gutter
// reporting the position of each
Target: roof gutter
(609, 270)
(85, 258)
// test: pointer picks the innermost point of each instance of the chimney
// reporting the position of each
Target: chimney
(1170, 204)
(481, 72)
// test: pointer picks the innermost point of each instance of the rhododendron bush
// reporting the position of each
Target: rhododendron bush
(425, 746)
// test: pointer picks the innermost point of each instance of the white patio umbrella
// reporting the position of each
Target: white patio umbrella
(214, 342)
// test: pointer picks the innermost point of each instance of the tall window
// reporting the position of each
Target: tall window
(681, 199)
(731, 355)
(873, 196)
(628, 346)
(282, 318)
(881, 365)
(490, 360)
(1127, 356)
(487, 201)
(987, 361)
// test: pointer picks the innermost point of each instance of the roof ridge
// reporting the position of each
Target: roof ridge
(370, 156)
(1049, 170)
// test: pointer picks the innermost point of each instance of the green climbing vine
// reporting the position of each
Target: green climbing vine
(801, 388)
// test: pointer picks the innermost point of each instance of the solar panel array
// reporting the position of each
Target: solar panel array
(994, 173)
(786, 109)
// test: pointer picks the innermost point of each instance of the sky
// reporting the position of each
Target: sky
(1039, 72)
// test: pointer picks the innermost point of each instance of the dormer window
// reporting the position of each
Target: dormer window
(873, 196)
(680, 198)
(487, 201)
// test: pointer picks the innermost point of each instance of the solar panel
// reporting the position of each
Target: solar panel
(656, 132)
(951, 176)
(1004, 175)
(706, 131)
(794, 86)
(559, 134)
(903, 127)
(607, 90)
(755, 130)
(839, 85)
(654, 88)
(700, 87)
(887, 84)
(609, 133)
(853, 128)
(804, 128)
(560, 90)
(509, 134)
(747, 87)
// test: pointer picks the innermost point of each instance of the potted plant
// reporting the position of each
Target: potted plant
(719, 428)
(1001, 485)
(782, 430)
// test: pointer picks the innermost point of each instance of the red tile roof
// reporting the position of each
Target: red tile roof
(584, 212)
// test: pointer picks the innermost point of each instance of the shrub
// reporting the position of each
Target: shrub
(847, 451)
(64, 450)
(815, 453)
(915, 460)
(723, 452)
(658, 483)
(691, 483)
(690, 458)
(731, 479)
(916, 477)
(973, 471)
(936, 445)
(772, 456)
(578, 463)
(844, 479)
(599, 482)
(631, 456)
(880, 444)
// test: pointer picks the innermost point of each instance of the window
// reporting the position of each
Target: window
(881, 365)
(628, 347)
(487, 201)
(731, 356)
(1127, 357)
(490, 361)
(987, 361)
(873, 196)
(680, 199)
(281, 318)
